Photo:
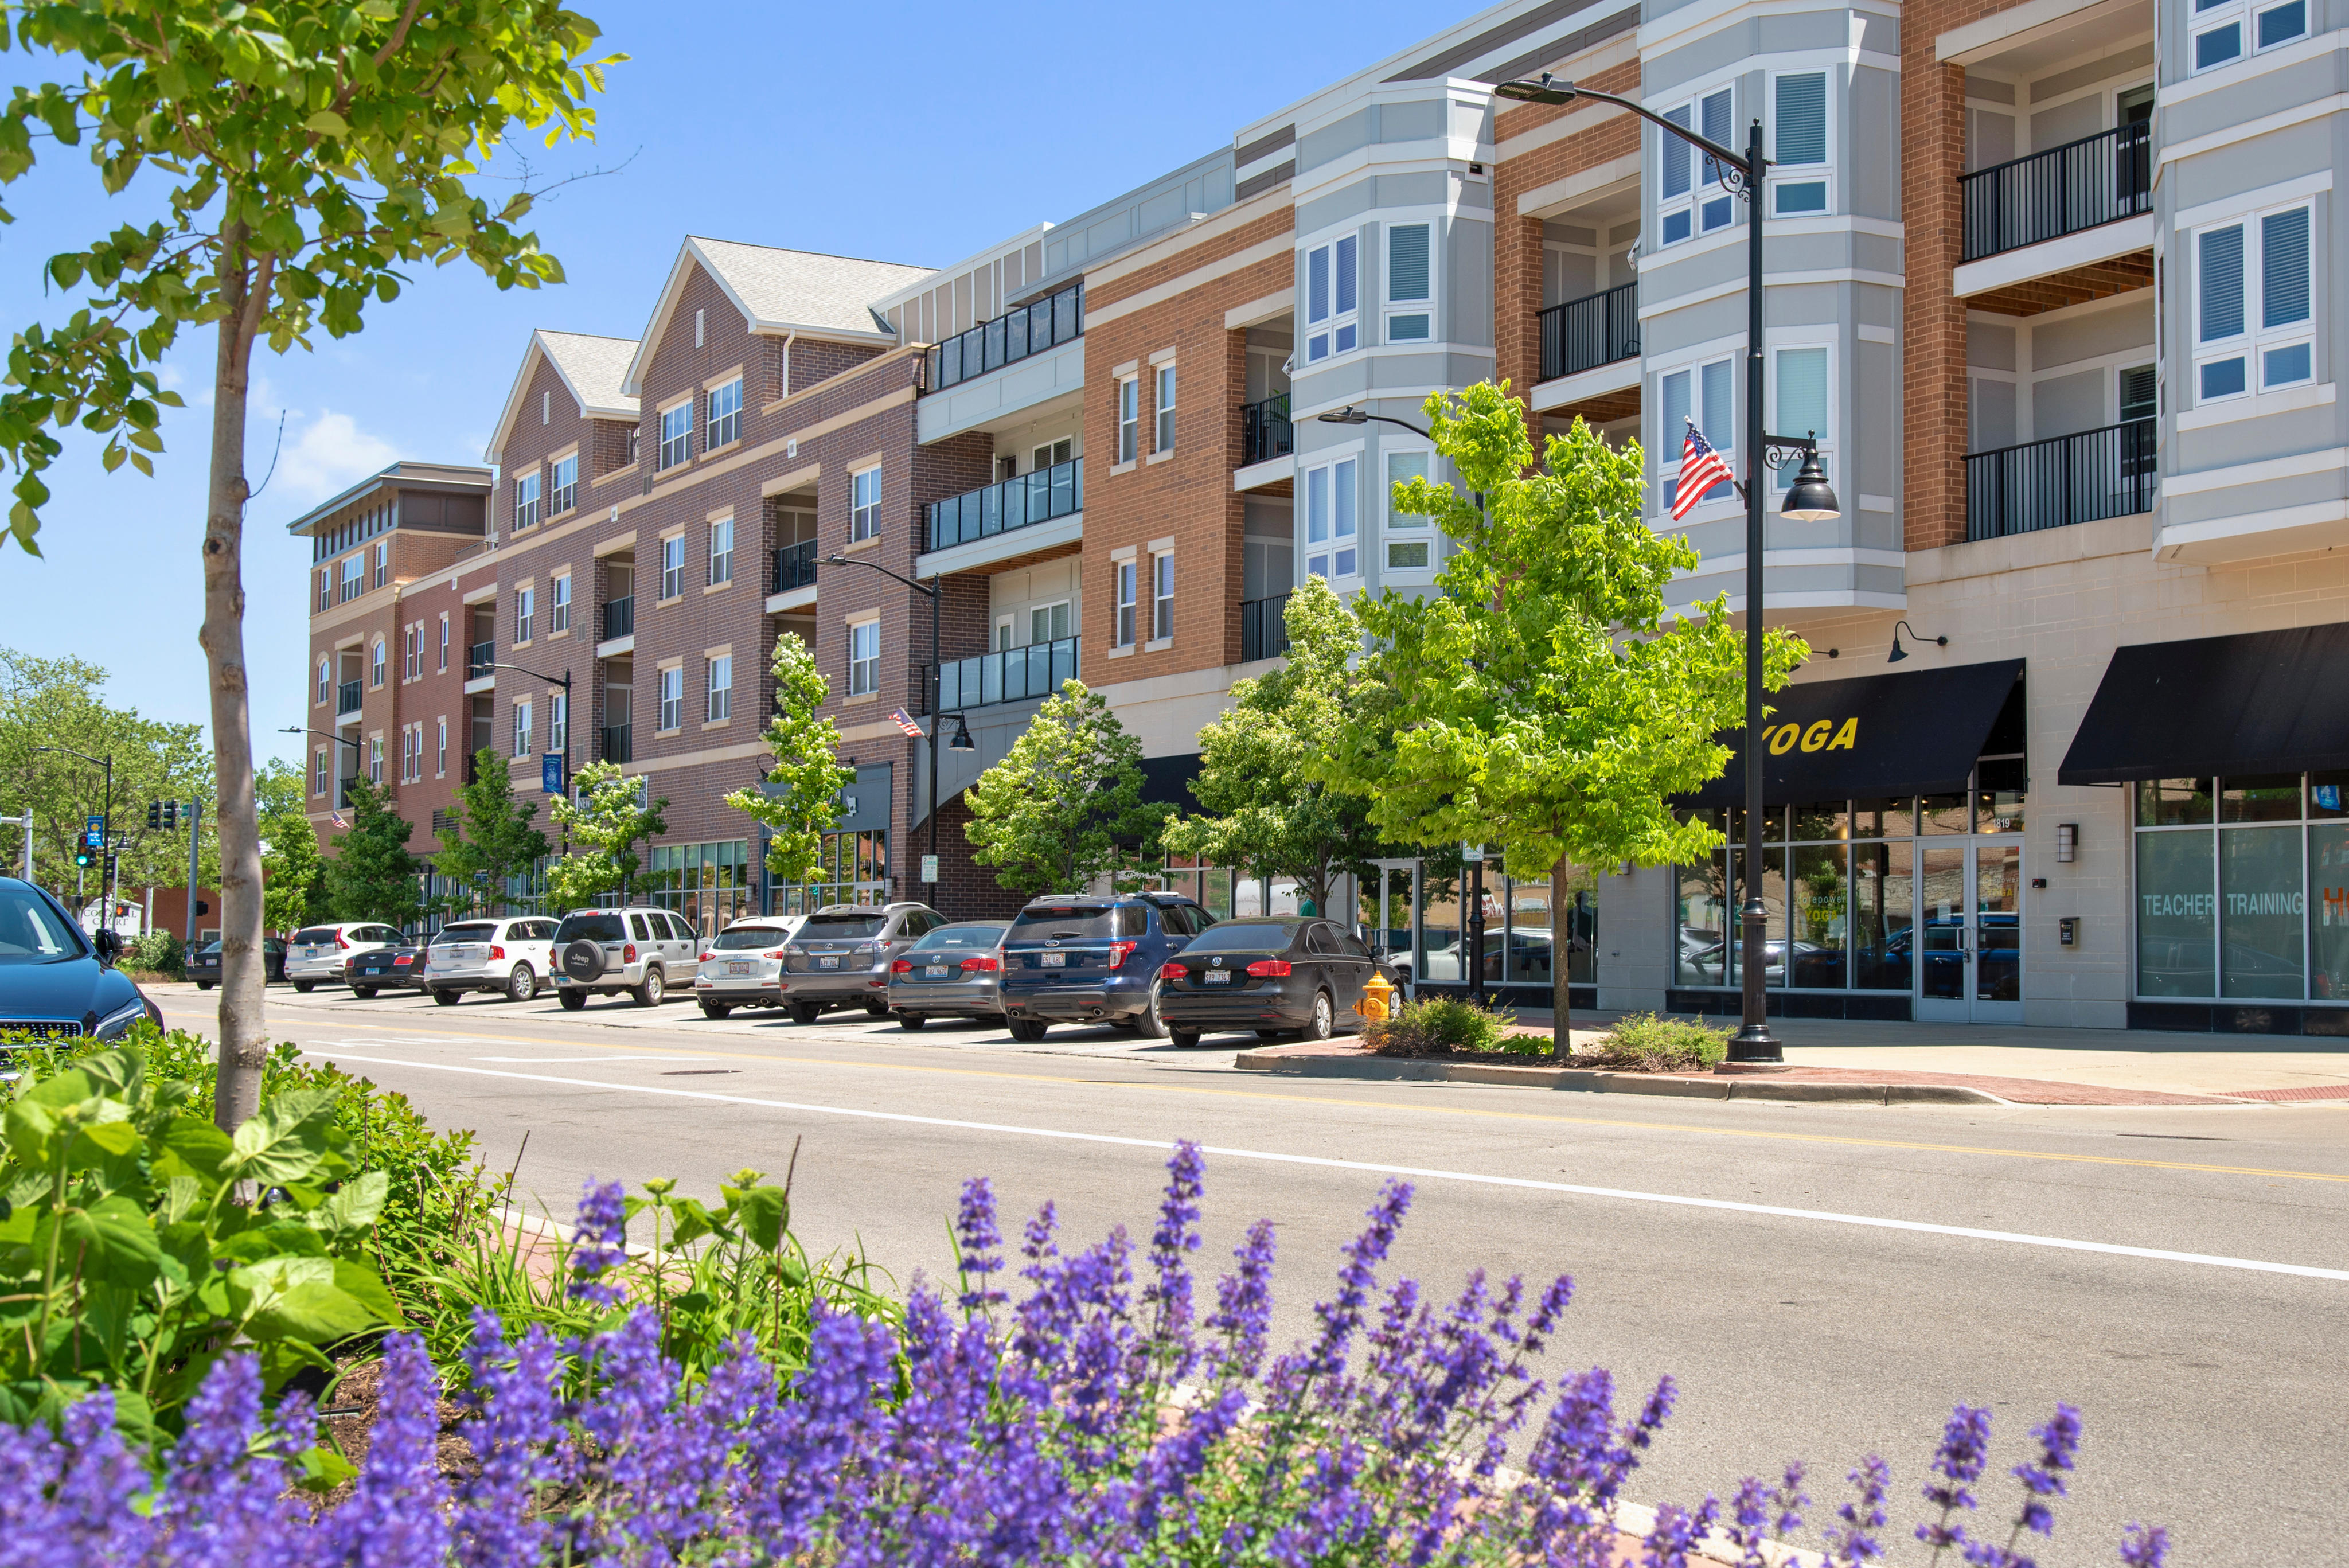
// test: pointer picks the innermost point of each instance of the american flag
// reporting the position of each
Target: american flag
(337, 818)
(1701, 470)
(907, 723)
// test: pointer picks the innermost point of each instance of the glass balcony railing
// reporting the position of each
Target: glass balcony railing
(1006, 675)
(347, 697)
(1265, 430)
(1059, 318)
(478, 659)
(992, 509)
(2044, 195)
(1264, 627)
(2098, 473)
(614, 746)
(794, 567)
(620, 616)
(1583, 334)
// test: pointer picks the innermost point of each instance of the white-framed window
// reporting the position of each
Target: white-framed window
(1410, 541)
(525, 612)
(558, 722)
(721, 551)
(721, 687)
(564, 494)
(1798, 130)
(318, 771)
(2224, 31)
(411, 655)
(382, 562)
(375, 761)
(440, 746)
(1052, 453)
(864, 503)
(2136, 392)
(672, 567)
(1162, 596)
(864, 658)
(326, 588)
(407, 752)
(675, 436)
(558, 604)
(672, 698)
(525, 501)
(354, 582)
(1689, 198)
(1332, 538)
(375, 663)
(1124, 584)
(1050, 623)
(1801, 400)
(444, 642)
(1332, 285)
(2254, 311)
(1163, 397)
(1129, 417)
(725, 422)
(1410, 282)
(1707, 393)
(1003, 629)
(521, 729)
(326, 680)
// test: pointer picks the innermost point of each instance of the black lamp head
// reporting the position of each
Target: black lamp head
(835, 560)
(1810, 499)
(1543, 91)
(962, 740)
(1899, 652)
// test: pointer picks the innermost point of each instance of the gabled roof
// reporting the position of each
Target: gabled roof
(592, 369)
(782, 291)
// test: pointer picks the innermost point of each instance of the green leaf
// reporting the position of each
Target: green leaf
(327, 122)
(112, 1240)
(287, 1140)
(321, 1469)
(196, 1149)
(762, 1214)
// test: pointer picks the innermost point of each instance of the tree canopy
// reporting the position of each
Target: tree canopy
(1064, 807)
(488, 839)
(800, 802)
(618, 814)
(370, 875)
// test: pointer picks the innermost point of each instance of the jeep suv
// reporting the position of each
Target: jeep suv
(1093, 960)
(840, 956)
(601, 952)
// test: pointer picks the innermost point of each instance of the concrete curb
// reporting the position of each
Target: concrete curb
(1586, 1080)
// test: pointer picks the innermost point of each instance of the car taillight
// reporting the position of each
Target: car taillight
(1268, 967)
(497, 951)
(405, 958)
(629, 954)
(1117, 952)
(982, 964)
(708, 956)
(903, 966)
(776, 954)
(1173, 971)
(341, 940)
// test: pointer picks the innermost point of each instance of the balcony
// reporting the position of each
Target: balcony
(1264, 627)
(1583, 334)
(2043, 196)
(1009, 675)
(1265, 430)
(613, 744)
(478, 659)
(794, 568)
(347, 697)
(1022, 503)
(1046, 323)
(619, 618)
(2098, 473)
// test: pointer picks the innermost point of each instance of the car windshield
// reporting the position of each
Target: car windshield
(32, 932)
(841, 927)
(472, 931)
(312, 936)
(1064, 922)
(210, 949)
(984, 938)
(744, 937)
(1242, 936)
(592, 928)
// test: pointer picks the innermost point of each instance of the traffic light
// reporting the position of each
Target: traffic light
(154, 815)
(171, 815)
(84, 858)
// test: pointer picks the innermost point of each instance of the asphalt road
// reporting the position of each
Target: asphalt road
(1823, 1281)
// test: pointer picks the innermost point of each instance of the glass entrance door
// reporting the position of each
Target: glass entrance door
(1970, 932)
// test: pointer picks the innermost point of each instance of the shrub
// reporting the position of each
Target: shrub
(156, 951)
(1647, 1043)
(1438, 1026)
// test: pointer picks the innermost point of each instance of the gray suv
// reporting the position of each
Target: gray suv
(637, 950)
(841, 957)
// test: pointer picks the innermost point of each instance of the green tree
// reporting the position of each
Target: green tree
(489, 838)
(604, 833)
(371, 875)
(300, 159)
(293, 871)
(800, 801)
(1262, 808)
(1540, 701)
(1060, 809)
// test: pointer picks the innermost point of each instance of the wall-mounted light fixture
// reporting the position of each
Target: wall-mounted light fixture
(2067, 842)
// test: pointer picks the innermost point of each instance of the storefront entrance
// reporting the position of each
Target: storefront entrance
(1970, 932)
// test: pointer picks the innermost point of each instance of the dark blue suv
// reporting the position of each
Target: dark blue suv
(1093, 960)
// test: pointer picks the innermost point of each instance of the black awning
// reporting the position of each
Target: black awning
(1166, 781)
(1876, 735)
(2259, 702)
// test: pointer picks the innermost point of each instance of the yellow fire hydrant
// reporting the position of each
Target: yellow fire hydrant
(1377, 1001)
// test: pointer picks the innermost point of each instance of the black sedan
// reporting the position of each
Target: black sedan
(205, 964)
(401, 963)
(1286, 977)
(54, 981)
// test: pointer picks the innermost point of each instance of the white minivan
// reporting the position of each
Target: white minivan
(510, 958)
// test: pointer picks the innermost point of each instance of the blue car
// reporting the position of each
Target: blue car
(55, 981)
(1093, 960)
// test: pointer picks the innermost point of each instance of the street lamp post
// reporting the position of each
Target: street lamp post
(562, 680)
(1808, 499)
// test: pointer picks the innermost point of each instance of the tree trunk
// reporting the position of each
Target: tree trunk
(1561, 943)
(244, 1044)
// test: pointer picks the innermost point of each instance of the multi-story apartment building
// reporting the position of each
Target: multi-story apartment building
(2040, 276)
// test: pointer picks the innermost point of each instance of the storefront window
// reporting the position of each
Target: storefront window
(1439, 923)
(1848, 920)
(2271, 797)
(1703, 958)
(2172, 802)
(1582, 930)
(1946, 813)
(2176, 910)
(1533, 945)
(1884, 819)
(2328, 896)
(1774, 909)
(708, 884)
(1215, 891)
(1883, 916)
(1828, 819)
(851, 867)
(2328, 795)
(1822, 917)
(2260, 908)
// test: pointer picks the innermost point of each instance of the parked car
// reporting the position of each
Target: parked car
(55, 981)
(398, 964)
(955, 972)
(1284, 976)
(318, 953)
(840, 957)
(636, 949)
(202, 963)
(508, 958)
(1088, 960)
(742, 966)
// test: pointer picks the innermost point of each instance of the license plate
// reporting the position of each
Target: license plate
(935, 971)
(829, 960)
(737, 969)
(1218, 977)
(1055, 960)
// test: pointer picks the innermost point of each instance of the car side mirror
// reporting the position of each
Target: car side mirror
(106, 945)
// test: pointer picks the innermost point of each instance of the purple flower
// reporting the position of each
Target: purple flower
(2059, 1442)
(2145, 1546)
(977, 1245)
(1853, 1543)
(516, 1436)
(223, 1505)
(1243, 1314)
(399, 1514)
(1677, 1534)
(1760, 1515)
(1965, 1445)
(599, 1241)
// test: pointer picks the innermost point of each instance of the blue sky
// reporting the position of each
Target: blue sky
(910, 133)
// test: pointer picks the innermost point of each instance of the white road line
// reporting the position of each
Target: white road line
(559, 1061)
(1379, 1167)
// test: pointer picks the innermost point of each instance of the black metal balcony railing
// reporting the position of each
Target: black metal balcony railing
(1265, 430)
(794, 567)
(1583, 334)
(1008, 675)
(620, 616)
(2107, 472)
(2043, 195)
(1264, 627)
(992, 509)
(347, 697)
(614, 745)
(478, 659)
(1059, 318)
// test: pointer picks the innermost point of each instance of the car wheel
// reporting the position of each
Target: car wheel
(572, 1000)
(653, 990)
(1184, 1039)
(715, 1009)
(1274, 1036)
(203, 985)
(911, 1023)
(305, 986)
(877, 1010)
(446, 998)
(1147, 1023)
(522, 983)
(1029, 1030)
(364, 992)
(1324, 1021)
(805, 1012)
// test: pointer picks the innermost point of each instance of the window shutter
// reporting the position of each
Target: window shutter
(1407, 262)
(1348, 273)
(1674, 433)
(1803, 117)
(2221, 255)
(1802, 392)
(2139, 393)
(1676, 156)
(2284, 267)
(1715, 110)
(1719, 418)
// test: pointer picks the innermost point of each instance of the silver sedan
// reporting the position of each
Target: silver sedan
(955, 972)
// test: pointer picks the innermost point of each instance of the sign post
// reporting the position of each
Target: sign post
(930, 870)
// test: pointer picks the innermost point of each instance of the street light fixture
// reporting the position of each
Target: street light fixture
(1350, 415)
(1899, 652)
(1810, 499)
(562, 680)
(962, 740)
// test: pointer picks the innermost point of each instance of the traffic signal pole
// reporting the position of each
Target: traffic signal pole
(195, 837)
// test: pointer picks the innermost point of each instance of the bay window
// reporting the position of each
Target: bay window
(1332, 306)
(1799, 175)
(1706, 393)
(1409, 282)
(2255, 324)
(1691, 201)
(1333, 546)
